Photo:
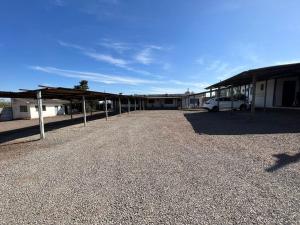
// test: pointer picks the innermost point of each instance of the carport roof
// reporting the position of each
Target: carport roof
(264, 73)
(61, 93)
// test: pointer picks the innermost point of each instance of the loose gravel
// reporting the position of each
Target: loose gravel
(153, 167)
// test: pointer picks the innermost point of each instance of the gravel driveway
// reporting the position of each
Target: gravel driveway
(151, 167)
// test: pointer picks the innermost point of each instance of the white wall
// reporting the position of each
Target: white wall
(32, 113)
(50, 111)
(260, 94)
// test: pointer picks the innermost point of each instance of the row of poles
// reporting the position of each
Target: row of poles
(41, 119)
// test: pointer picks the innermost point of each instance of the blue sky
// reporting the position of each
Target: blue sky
(142, 46)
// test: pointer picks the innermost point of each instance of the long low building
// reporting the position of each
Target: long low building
(268, 87)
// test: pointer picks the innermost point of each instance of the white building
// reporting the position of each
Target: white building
(276, 86)
(28, 108)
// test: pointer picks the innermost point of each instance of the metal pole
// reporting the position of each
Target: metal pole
(253, 93)
(41, 119)
(219, 98)
(140, 104)
(71, 110)
(135, 104)
(231, 97)
(120, 106)
(128, 105)
(84, 110)
(265, 97)
(106, 113)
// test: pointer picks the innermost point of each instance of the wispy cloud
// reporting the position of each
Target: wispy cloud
(120, 47)
(92, 76)
(195, 85)
(69, 45)
(107, 58)
(118, 62)
(145, 56)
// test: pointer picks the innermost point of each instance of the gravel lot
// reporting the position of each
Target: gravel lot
(157, 167)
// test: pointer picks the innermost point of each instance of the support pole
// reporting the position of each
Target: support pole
(253, 93)
(135, 104)
(106, 113)
(231, 97)
(218, 95)
(71, 111)
(128, 105)
(120, 106)
(41, 119)
(274, 93)
(265, 97)
(84, 110)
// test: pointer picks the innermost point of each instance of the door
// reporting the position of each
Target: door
(288, 93)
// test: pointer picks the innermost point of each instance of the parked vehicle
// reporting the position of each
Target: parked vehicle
(223, 103)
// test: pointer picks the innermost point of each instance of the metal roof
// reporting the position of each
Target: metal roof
(264, 73)
(61, 93)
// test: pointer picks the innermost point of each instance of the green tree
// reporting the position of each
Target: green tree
(83, 85)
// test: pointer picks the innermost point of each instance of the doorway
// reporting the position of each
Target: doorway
(288, 93)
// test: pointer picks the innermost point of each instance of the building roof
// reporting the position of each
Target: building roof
(264, 73)
(61, 93)
(164, 96)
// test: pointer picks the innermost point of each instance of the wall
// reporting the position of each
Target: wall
(16, 109)
(260, 94)
(160, 103)
(50, 111)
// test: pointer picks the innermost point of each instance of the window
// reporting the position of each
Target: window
(168, 101)
(37, 108)
(23, 108)
(262, 86)
(151, 101)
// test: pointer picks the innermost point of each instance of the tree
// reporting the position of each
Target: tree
(83, 85)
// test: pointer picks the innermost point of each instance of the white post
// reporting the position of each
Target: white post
(84, 110)
(106, 113)
(41, 119)
(135, 104)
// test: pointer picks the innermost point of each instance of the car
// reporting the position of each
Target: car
(224, 103)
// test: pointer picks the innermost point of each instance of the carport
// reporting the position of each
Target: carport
(249, 79)
(70, 94)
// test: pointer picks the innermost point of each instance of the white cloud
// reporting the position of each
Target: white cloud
(107, 58)
(120, 47)
(92, 76)
(144, 56)
(286, 62)
(69, 45)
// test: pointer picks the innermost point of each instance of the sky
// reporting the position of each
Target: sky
(142, 46)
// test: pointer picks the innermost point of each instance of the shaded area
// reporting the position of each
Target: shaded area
(283, 160)
(34, 130)
(239, 123)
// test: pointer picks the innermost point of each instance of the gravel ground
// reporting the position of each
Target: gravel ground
(154, 167)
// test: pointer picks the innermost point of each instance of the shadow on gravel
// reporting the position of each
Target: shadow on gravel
(33, 130)
(282, 161)
(239, 123)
